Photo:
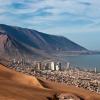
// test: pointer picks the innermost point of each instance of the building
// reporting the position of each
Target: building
(57, 67)
(47, 66)
(68, 65)
(60, 66)
(52, 65)
(95, 70)
(38, 66)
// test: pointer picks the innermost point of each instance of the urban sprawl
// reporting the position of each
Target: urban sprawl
(53, 71)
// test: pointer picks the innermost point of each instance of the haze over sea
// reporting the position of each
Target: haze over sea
(84, 61)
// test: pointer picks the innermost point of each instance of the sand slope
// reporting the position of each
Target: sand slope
(18, 77)
(17, 86)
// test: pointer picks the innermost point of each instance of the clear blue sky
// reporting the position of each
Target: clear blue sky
(79, 20)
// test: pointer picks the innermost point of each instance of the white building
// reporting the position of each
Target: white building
(52, 66)
(57, 67)
(68, 65)
(95, 70)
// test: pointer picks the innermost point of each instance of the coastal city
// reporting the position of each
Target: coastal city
(56, 72)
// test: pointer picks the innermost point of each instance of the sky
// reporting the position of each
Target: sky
(78, 20)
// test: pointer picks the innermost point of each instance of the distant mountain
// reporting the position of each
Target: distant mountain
(16, 40)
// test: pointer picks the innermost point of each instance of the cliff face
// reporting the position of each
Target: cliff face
(28, 41)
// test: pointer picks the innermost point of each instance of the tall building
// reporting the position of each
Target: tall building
(52, 66)
(47, 66)
(68, 65)
(57, 67)
(38, 65)
(95, 70)
(60, 66)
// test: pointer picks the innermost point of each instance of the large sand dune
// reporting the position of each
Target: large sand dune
(17, 86)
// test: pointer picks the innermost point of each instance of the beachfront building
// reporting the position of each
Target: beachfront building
(68, 65)
(95, 70)
(52, 65)
(57, 67)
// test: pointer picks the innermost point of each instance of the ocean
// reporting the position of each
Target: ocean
(84, 61)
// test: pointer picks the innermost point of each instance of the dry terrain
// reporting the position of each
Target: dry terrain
(18, 86)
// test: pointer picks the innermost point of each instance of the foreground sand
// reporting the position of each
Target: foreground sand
(17, 86)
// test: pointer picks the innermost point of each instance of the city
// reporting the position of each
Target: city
(53, 71)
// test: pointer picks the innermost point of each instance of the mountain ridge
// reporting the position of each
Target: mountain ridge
(23, 40)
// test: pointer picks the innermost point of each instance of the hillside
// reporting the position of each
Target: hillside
(18, 86)
(27, 41)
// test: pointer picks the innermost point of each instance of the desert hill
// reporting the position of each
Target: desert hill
(27, 41)
(17, 86)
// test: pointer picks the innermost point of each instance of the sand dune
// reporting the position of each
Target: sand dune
(17, 86)
(18, 77)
